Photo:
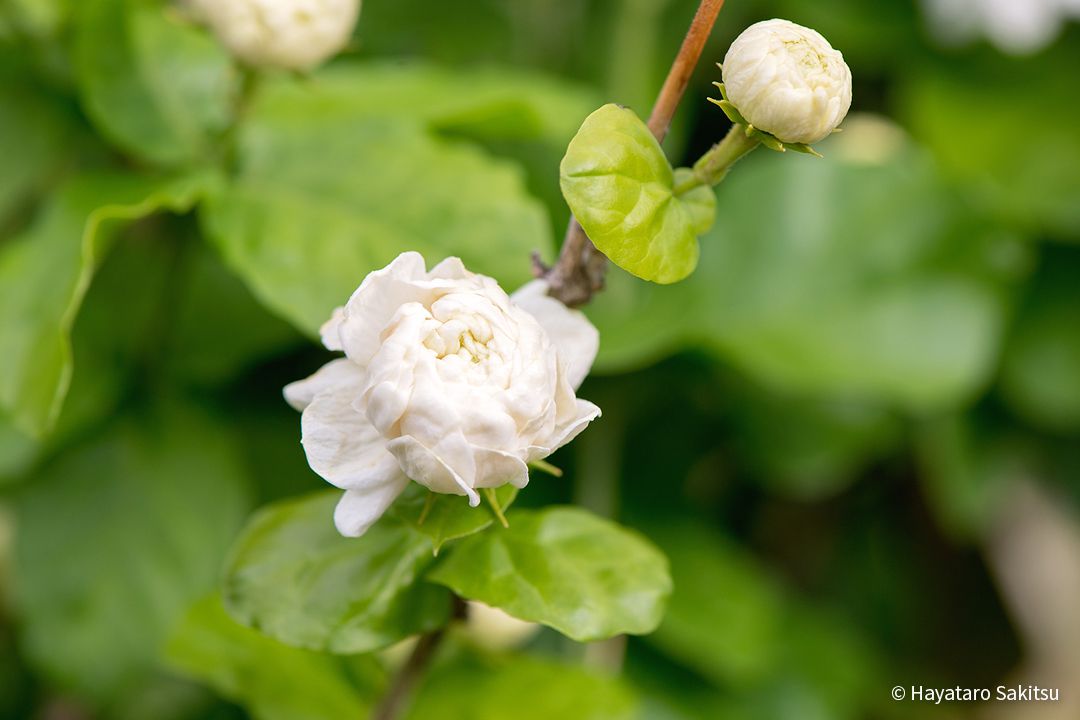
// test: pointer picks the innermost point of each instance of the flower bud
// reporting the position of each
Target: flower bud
(286, 34)
(788, 81)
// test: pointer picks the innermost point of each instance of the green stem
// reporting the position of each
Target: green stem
(493, 501)
(711, 167)
(244, 94)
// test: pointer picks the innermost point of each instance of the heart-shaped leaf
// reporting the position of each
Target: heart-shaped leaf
(292, 576)
(620, 186)
(585, 576)
(443, 518)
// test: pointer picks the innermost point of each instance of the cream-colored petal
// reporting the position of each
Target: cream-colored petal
(450, 269)
(330, 332)
(575, 338)
(335, 373)
(584, 413)
(495, 468)
(374, 303)
(341, 444)
(357, 510)
(428, 469)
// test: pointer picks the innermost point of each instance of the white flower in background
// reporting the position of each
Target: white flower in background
(787, 80)
(447, 381)
(287, 34)
(1016, 26)
(495, 630)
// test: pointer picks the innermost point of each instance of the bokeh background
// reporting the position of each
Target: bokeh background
(855, 430)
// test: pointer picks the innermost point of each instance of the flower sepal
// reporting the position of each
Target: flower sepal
(765, 138)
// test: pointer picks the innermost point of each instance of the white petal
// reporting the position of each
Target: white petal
(330, 332)
(575, 338)
(450, 269)
(376, 300)
(357, 510)
(495, 468)
(584, 413)
(341, 444)
(428, 469)
(333, 374)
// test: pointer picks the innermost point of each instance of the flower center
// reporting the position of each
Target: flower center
(462, 336)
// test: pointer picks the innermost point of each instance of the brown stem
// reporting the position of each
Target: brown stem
(397, 697)
(578, 274)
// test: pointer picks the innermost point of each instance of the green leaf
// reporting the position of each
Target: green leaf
(585, 576)
(522, 687)
(700, 202)
(808, 448)
(318, 205)
(725, 616)
(44, 275)
(834, 276)
(640, 323)
(272, 680)
(1014, 151)
(741, 629)
(1041, 373)
(17, 451)
(33, 135)
(619, 185)
(154, 86)
(116, 539)
(222, 329)
(37, 18)
(443, 518)
(845, 289)
(967, 471)
(492, 103)
(294, 578)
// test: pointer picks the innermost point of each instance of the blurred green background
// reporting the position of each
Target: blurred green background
(854, 430)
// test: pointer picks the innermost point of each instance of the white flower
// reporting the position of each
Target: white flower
(787, 80)
(1016, 27)
(495, 630)
(446, 381)
(288, 34)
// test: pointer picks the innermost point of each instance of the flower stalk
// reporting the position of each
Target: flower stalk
(713, 166)
(578, 274)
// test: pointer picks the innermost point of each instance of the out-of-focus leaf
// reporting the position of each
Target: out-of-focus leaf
(522, 687)
(1041, 373)
(111, 336)
(848, 287)
(620, 186)
(17, 451)
(274, 681)
(443, 518)
(770, 654)
(44, 275)
(489, 103)
(154, 86)
(33, 134)
(827, 668)
(320, 204)
(809, 448)
(1017, 152)
(294, 578)
(39, 18)
(585, 576)
(116, 539)
(641, 323)
(725, 616)
(966, 471)
(871, 35)
(834, 277)
(220, 329)
(118, 332)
